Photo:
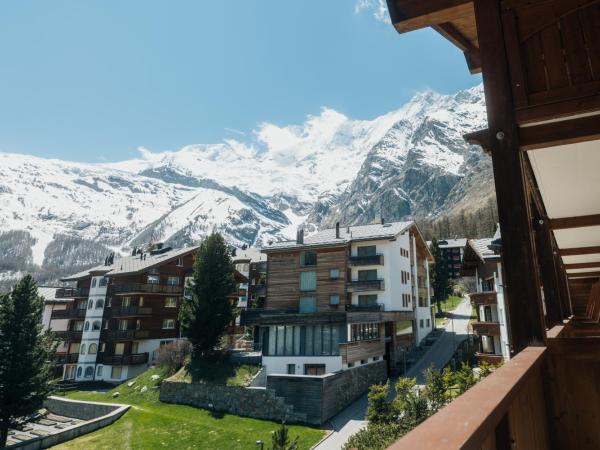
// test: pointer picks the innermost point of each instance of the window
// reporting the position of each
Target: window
(93, 282)
(106, 324)
(93, 349)
(367, 275)
(135, 347)
(102, 282)
(168, 324)
(363, 361)
(119, 348)
(116, 372)
(364, 331)
(180, 262)
(78, 326)
(99, 371)
(91, 304)
(153, 279)
(172, 281)
(86, 326)
(82, 349)
(99, 304)
(428, 323)
(308, 281)
(82, 305)
(334, 300)
(109, 303)
(171, 302)
(141, 301)
(123, 324)
(291, 369)
(308, 305)
(103, 347)
(187, 285)
(79, 370)
(314, 369)
(366, 250)
(138, 324)
(96, 325)
(367, 300)
(308, 258)
(334, 274)
(421, 323)
(308, 340)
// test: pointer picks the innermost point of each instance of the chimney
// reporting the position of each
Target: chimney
(300, 237)
(382, 220)
(337, 230)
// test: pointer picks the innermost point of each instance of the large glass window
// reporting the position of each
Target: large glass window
(153, 279)
(173, 281)
(308, 340)
(334, 274)
(308, 258)
(308, 281)
(366, 250)
(171, 302)
(364, 331)
(308, 305)
(367, 275)
(367, 300)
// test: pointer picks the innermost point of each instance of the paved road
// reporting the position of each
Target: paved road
(352, 418)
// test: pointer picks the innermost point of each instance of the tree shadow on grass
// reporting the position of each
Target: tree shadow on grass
(215, 369)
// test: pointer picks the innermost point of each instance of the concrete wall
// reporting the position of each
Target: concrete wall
(258, 403)
(278, 364)
(96, 416)
(322, 397)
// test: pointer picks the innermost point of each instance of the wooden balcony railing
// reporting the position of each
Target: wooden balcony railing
(373, 260)
(127, 335)
(71, 313)
(130, 311)
(505, 410)
(486, 328)
(365, 285)
(484, 298)
(145, 288)
(68, 335)
(123, 360)
(72, 293)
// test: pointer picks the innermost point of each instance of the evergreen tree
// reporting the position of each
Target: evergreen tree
(281, 439)
(25, 364)
(205, 316)
(439, 275)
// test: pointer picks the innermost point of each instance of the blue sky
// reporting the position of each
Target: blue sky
(94, 80)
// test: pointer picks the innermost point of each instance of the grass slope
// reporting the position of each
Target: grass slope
(150, 424)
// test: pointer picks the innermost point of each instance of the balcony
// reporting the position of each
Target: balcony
(129, 335)
(364, 285)
(72, 293)
(70, 335)
(145, 288)
(123, 360)
(66, 358)
(489, 358)
(129, 311)
(71, 313)
(372, 260)
(484, 298)
(375, 307)
(486, 328)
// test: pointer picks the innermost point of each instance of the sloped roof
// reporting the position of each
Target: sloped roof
(132, 264)
(347, 235)
(49, 294)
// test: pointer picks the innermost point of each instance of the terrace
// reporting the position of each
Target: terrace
(541, 71)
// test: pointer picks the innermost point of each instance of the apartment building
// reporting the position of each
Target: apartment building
(252, 264)
(116, 316)
(344, 297)
(483, 264)
(453, 251)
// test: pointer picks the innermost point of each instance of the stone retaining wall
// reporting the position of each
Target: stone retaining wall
(258, 403)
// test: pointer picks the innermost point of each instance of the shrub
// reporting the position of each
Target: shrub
(376, 437)
(173, 356)
(380, 410)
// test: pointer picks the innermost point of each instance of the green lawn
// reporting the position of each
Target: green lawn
(218, 370)
(150, 424)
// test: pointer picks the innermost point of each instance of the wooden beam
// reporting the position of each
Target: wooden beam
(565, 132)
(471, 52)
(575, 222)
(522, 284)
(410, 15)
(579, 251)
(588, 265)
(481, 138)
(584, 274)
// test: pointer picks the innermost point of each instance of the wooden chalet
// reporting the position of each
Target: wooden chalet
(540, 62)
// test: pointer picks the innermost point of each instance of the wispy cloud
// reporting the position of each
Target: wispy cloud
(376, 7)
(233, 130)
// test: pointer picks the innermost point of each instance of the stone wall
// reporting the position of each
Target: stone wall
(78, 409)
(258, 403)
(322, 397)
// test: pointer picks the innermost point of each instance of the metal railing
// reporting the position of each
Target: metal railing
(71, 313)
(71, 292)
(365, 285)
(375, 307)
(130, 311)
(70, 335)
(371, 260)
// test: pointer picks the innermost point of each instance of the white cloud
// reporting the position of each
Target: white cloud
(376, 7)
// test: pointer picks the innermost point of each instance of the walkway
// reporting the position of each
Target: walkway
(352, 418)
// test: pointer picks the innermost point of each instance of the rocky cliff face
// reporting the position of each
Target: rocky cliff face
(59, 216)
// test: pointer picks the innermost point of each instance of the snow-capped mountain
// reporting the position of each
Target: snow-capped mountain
(56, 216)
